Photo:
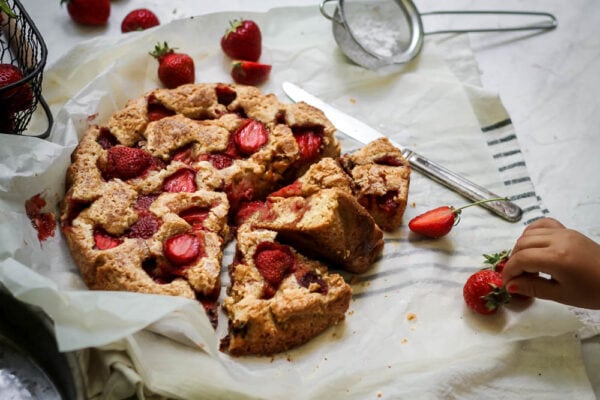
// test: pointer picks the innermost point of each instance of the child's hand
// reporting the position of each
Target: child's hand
(571, 260)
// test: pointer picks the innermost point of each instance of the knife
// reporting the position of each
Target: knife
(365, 134)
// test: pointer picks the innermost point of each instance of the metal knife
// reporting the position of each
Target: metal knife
(366, 134)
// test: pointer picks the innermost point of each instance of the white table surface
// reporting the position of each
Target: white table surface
(549, 83)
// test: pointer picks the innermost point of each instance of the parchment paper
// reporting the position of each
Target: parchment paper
(407, 333)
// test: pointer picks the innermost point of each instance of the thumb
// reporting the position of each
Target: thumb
(534, 286)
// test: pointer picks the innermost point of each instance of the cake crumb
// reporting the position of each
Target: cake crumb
(404, 341)
(413, 204)
(411, 316)
(352, 100)
(379, 394)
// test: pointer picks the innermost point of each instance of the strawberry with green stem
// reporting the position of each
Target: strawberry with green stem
(484, 292)
(174, 69)
(497, 260)
(440, 221)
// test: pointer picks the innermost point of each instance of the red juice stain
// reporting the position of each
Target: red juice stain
(43, 222)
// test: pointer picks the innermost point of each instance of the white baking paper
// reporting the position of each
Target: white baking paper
(407, 333)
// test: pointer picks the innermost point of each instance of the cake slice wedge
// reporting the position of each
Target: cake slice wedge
(278, 299)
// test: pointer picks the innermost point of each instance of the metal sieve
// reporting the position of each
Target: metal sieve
(375, 33)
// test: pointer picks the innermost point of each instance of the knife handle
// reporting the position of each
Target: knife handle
(505, 209)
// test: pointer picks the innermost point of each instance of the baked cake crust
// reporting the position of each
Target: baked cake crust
(264, 323)
(153, 196)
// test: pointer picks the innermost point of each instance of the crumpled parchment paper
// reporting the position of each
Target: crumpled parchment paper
(407, 333)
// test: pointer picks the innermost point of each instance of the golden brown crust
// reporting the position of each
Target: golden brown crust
(184, 175)
(295, 314)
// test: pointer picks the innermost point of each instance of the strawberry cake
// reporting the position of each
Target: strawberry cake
(377, 175)
(154, 195)
(278, 298)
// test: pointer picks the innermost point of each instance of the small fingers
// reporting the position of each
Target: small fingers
(534, 286)
(529, 260)
(544, 223)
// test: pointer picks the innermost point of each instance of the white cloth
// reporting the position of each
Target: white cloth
(435, 106)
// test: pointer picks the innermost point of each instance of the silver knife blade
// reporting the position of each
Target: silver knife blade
(364, 133)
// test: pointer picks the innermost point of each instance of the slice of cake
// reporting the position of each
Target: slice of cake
(278, 299)
(329, 224)
(381, 177)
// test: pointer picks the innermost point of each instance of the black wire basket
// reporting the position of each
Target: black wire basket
(22, 46)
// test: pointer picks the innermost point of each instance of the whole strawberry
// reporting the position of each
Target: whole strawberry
(243, 40)
(483, 292)
(439, 221)
(18, 98)
(174, 69)
(139, 20)
(89, 12)
(249, 72)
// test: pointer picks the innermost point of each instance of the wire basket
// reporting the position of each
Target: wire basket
(22, 46)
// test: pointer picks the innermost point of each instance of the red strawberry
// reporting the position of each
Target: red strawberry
(157, 110)
(274, 262)
(219, 161)
(225, 94)
(183, 248)
(439, 221)
(138, 20)
(248, 209)
(250, 72)
(387, 202)
(483, 292)
(104, 240)
(106, 139)
(195, 217)
(183, 180)
(145, 227)
(291, 190)
(18, 98)
(390, 160)
(243, 40)
(305, 277)
(174, 69)
(88, 12)
(127, 162)
(250, 137)
(309, 141)
(143, 202)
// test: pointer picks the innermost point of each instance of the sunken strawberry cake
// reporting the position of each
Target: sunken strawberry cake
(278, 298)
(149, 193)
(154, 195)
